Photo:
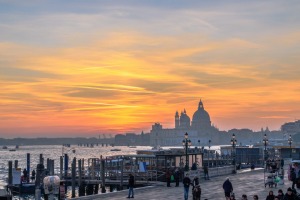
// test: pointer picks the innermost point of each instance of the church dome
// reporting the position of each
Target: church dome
(185, 120)
(201, 118)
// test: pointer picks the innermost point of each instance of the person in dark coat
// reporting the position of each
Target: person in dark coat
(271, 196)
(197, 192)
(227, 186)
(293, 177)
(280, 194)
(205, 170)
(195, 181)
(176, 177)
(186, 185)
(290, 195)
(130, 185)
(25, 175)
(168, 178)
(33, 175)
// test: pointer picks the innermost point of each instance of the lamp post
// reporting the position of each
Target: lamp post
(209, 141)
(290, 141)
(265, 141)
(186, 144)
(199, 145)
(233, 143)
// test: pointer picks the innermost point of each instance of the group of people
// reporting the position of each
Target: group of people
(294, 175)
(196, 191)
(25, 177)
(291, 194)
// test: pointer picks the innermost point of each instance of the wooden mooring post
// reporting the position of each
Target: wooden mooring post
(10, 172)
(61, 162)
(16, 164)
(73, 176)
(103, 176)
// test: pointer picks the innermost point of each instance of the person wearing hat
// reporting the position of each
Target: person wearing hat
(290, 195)
(227, 186)
(186, 185)
(280, 194)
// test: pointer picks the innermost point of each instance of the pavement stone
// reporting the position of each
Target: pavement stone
(244, 182)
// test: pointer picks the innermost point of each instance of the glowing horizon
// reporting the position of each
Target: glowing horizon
(81, 69)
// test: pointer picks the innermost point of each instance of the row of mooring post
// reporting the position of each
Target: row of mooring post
(84, 187)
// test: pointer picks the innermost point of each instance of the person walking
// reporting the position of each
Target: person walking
(255, 197)
(293, 177)
(271, 196)
(244, 197)
(197, 192)
(168, 178)
(130, 185)
(195, 181)
(227, 186)
(205, 170)
(186, 185)
(176, 177)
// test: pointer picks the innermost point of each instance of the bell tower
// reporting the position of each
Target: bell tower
(176, 120)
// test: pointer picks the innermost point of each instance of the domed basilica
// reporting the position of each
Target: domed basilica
(201, 119)
(200, 127)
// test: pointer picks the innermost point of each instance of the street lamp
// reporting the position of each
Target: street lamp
(265, 141)
(233, 143)
(209, 141)
(290, 140)
(186, 144)
(199, 145)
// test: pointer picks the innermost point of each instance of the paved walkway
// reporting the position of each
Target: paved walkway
(247, 182)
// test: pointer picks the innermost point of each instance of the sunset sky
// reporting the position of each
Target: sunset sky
(80, 68)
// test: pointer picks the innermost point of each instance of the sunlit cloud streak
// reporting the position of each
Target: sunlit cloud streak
(113, 67)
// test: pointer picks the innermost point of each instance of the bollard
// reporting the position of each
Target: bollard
(16, 164)
(10, 172)
(61, 162)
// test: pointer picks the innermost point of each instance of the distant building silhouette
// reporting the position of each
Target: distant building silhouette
(201, 128)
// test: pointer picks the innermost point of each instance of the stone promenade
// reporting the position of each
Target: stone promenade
(246, 182)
